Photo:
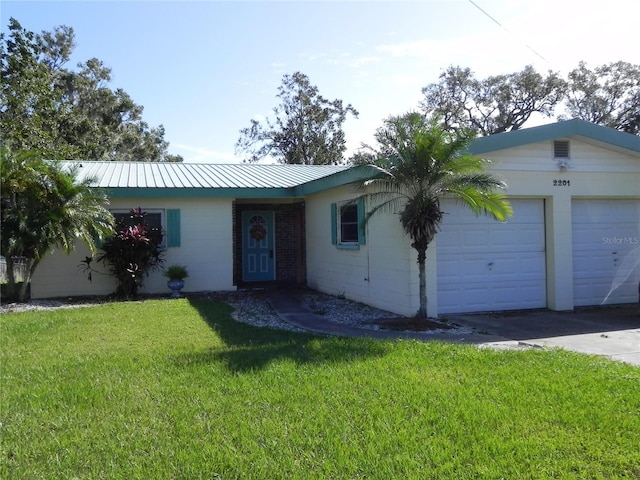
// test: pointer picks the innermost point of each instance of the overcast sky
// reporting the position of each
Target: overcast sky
(204, 69)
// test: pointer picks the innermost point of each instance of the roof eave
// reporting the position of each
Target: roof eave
(565, 129)
(194, 192)
(338, 179)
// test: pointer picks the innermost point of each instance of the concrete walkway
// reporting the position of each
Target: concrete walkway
(613, 332)
(290, 309)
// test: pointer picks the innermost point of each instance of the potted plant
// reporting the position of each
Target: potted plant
(176, 275)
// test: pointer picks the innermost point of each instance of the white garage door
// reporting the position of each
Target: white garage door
(485, 265)
(606, 251)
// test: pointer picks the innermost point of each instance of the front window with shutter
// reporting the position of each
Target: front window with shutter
(153, 220)
(165, 222)
(347, 224)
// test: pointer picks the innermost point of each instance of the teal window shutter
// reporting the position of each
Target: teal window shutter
(334, 224)
(362, 238)
(173, 227)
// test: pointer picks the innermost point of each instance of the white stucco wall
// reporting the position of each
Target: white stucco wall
(206, 249)
(382, 273)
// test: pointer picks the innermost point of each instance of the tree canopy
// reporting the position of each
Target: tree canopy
(67, 113)
(608, 95)
(499, 103)
(307, 128)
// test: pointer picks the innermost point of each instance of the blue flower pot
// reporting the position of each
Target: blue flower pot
(175, 286)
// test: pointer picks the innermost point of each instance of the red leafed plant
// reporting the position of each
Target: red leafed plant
(131, 254)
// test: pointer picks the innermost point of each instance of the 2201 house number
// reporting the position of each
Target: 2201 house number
(562, 183)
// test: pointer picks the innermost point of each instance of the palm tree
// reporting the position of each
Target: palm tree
(44, 205)
(419, 163)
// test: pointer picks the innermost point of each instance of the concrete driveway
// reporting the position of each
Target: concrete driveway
(612, 331)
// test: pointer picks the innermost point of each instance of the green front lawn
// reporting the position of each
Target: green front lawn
(177, 389)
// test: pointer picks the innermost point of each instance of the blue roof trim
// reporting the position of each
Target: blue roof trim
(354, 174)
(543, 133)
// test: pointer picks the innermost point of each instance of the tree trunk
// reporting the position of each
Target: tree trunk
(11, 279)
(422, 256)
(32, 263)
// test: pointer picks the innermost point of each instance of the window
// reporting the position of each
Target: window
(561, 149)
(164, 223)
(153, 219)
(347, 224)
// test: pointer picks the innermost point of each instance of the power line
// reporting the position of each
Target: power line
(507, 30)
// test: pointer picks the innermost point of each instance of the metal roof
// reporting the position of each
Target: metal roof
(175, 175)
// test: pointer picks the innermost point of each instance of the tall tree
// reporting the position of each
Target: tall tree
(44, 206)
(29, 107)
(68, 113)
(607, 95)
(496, 104)
(420, 162)
(307, 128)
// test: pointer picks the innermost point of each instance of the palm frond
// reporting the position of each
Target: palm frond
(480, 202)
(419, 162)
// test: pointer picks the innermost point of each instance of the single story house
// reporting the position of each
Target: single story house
(574, 238)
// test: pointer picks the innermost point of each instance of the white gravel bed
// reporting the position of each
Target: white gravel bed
(252, 307)
(40, 305)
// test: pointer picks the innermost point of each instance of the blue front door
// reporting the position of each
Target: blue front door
(258, 258)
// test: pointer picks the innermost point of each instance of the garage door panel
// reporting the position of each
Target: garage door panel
(506, 265)
(605, 293)
(488, 265)
(471, 266)
(490, 240)
(474, 237)
(529, 266)
(527, 294)
(503, 296)
(592, 211)
(525, 238)
(479, 303)
(594, 266)
(456, 213)
(605, 251)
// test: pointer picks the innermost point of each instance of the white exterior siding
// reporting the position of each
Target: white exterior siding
(380, 273)
(584, 156)
(205, 248)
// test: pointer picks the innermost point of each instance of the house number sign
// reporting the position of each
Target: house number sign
(562, 183)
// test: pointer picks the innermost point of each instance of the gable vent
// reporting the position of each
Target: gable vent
(561, 149)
